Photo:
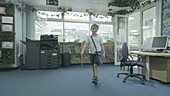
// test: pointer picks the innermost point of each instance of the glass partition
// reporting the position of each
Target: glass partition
(134, 31)
(149, 23)
(121, 32)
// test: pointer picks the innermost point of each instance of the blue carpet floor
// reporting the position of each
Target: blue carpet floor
(76, 81)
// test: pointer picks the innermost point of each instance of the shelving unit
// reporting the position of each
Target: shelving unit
(109, 49)
(74, 49)
(85, 59)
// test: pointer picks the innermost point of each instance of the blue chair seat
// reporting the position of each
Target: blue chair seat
(134, 63)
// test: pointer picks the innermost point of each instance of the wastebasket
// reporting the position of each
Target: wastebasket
(66, 59)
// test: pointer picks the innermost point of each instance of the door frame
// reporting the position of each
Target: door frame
(117, 37)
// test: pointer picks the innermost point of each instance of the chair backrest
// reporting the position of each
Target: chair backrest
(124, 52)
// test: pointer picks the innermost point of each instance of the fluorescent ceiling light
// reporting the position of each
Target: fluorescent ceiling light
(134, 34)
(97, 2)
(154, 20)
(145, 27)
(131, 18)
(133, 31)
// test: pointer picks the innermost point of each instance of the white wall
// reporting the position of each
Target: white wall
(30, 22)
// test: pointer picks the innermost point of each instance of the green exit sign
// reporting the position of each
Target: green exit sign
(52, 2)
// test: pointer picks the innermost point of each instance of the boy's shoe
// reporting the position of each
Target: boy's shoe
(94, 80)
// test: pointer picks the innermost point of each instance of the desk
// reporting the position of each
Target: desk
(148, 55)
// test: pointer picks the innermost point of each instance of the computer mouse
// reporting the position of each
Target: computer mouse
(165, 51)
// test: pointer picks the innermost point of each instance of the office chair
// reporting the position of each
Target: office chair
(127, 60)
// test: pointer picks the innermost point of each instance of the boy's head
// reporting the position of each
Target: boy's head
(94, 28)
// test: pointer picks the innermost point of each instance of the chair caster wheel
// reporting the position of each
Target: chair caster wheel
(117, 75)
(124, 81)
(142, 83)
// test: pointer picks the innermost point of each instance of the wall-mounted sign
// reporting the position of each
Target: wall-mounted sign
(7, 45)
(149, 22)
(6, 28)
(166, 17)
(7, 19)
(2, 10)
(52, 2)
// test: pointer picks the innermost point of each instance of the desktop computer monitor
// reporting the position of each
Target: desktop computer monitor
(160, 42)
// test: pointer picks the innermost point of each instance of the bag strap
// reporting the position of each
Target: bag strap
(93, 42)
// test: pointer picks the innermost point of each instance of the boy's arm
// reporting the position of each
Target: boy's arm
(84, 47)
(103, 50)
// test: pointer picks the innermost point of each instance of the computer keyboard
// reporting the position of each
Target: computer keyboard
(153, 51)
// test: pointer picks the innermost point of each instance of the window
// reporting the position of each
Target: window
(106, 31)
(73, 27)
(149, 23)
(76, 32)
(40, 29)
(49, 27)
(134, 31)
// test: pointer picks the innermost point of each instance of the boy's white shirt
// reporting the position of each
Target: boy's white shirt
(98, 41)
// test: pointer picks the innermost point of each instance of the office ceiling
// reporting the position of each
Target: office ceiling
(96, 6)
